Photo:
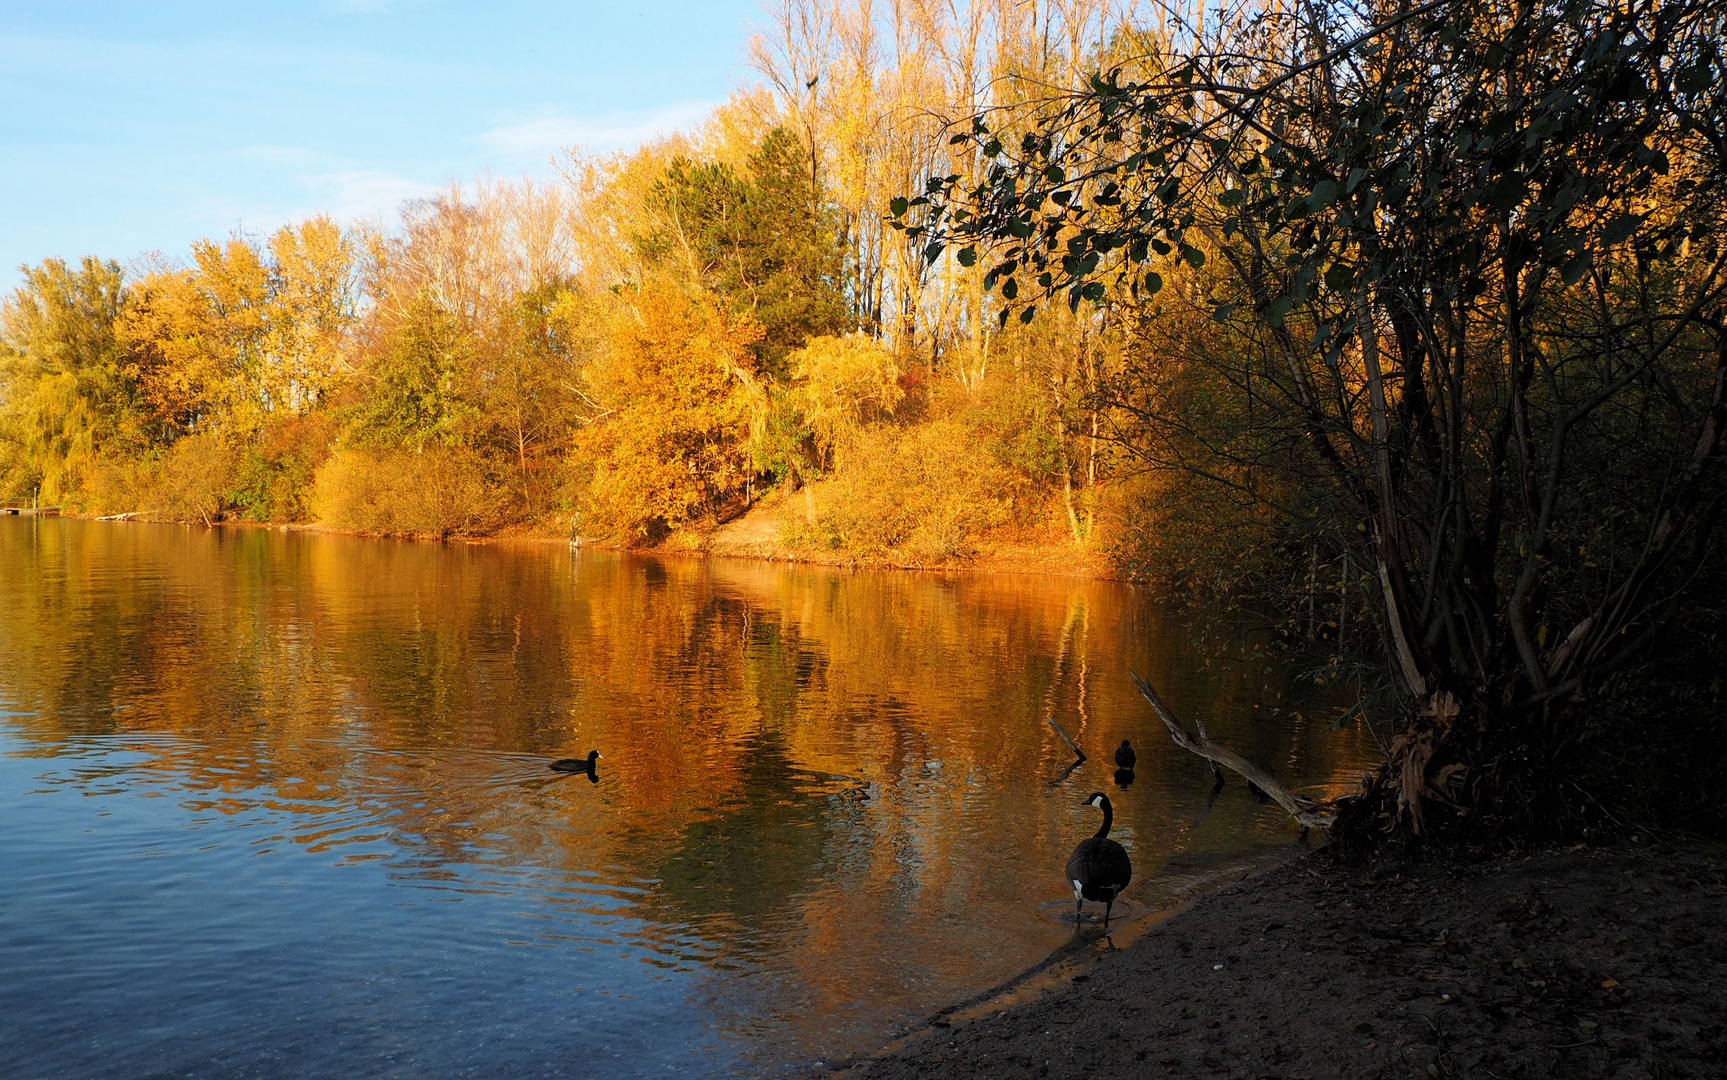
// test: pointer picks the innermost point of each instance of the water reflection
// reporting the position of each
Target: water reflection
(293, 790)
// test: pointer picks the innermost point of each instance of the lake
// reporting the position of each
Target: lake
(276, 804)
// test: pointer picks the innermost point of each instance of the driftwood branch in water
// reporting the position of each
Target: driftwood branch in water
(1298, 808)
(1077, 752)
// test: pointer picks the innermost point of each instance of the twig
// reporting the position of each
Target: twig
(1071, 745)
(1205, 737)
(1301, 810)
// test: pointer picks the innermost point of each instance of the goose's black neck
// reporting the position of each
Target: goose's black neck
(1108, 817)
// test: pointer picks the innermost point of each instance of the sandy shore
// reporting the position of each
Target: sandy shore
(1577, 963)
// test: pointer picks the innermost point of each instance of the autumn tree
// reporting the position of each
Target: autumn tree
(413, 385)
(170, 356)
(763, 240)
(871, 90)
(65, 394)
(668, 437)
(525, 397)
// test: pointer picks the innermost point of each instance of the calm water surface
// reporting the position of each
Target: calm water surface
(276, 805)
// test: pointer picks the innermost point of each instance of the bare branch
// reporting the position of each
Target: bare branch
(1303, 811)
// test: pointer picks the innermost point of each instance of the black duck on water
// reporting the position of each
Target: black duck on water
(1124, 755)
(579, 765)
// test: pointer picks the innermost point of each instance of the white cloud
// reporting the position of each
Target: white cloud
(348, 195)
(546, 135)
(353, 194)
(335, 186)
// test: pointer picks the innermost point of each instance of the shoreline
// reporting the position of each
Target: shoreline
(1042, 560)
(1078, 956)
(1574, 962)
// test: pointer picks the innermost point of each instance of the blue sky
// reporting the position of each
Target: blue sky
(143, 126)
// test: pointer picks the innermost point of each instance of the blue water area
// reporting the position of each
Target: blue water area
(278, 805)
(149, 930)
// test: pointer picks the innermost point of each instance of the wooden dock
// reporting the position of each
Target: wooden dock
(30, 511)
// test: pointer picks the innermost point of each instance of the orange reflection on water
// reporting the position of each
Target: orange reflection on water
(834, 792)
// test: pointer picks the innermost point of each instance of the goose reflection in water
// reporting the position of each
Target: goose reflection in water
(587, 766)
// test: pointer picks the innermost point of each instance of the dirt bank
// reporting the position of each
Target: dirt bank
(761, 534)
(1598, 963)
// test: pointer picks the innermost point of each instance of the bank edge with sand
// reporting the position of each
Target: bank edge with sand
(1574, 963)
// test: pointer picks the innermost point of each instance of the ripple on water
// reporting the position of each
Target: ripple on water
(278, 804)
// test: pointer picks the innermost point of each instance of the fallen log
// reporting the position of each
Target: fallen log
(1303, 811)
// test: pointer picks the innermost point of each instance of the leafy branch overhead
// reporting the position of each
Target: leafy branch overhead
(1554, 120)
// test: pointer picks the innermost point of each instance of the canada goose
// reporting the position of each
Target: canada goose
(1124, 756)
(579, 765)
(1099, 867)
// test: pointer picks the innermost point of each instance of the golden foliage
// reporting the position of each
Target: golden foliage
(520, 327)
(238, 336)
(921, 492)
(670, 446)
(435, 491)
(188, 481)
(192, 479)
(61, 395)
(841, 383)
